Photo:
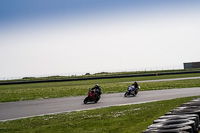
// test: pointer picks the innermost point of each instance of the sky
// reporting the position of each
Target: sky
(70, 37)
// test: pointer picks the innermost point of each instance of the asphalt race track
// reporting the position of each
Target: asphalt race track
(159, 80)
(23, 109)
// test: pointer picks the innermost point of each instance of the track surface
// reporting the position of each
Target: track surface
(159, 80)
(23, 109)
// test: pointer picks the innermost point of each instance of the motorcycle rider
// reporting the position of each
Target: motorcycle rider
(133, 87)
(97, 89)
(135, 84)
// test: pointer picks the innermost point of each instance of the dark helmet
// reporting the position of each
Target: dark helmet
(134, 83)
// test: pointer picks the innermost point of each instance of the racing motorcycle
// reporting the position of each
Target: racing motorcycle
(131, 91)
(91, 97)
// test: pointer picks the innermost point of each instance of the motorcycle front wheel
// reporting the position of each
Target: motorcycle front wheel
(86, 100)
(126, 94)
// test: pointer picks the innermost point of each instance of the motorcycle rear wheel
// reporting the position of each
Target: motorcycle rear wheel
(126, 94)
(98, 98)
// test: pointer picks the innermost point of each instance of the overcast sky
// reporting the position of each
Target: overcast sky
(63, 37)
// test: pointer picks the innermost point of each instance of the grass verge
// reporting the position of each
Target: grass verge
(118, 119)
(22, 92)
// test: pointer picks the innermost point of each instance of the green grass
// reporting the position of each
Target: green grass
(118, 119)
(32, 91)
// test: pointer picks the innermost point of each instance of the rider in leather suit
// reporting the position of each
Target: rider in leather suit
(97, 89)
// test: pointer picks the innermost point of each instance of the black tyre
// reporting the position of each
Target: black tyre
(177, 118)
(186, 129)
(196, 123)
(195, 100)
(134, 94)
(190, 104)
(188, 107)
(126, 94)
(173, 124)
(193, 117)
(86, 100)
(186, 111)
(95, 101)
(184, 115)
(183, 111)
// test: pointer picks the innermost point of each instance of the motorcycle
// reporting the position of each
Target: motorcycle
(131, 91)
(91, 97)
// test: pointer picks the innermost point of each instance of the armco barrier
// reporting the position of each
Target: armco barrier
(92, 78)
